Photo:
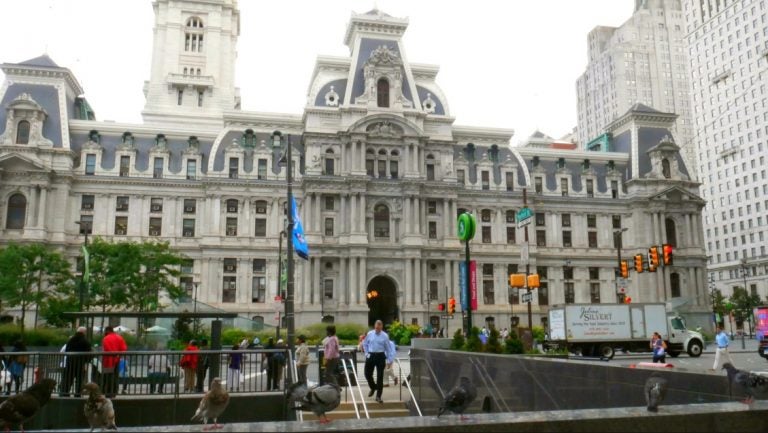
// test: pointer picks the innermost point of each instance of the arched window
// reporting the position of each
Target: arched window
(382, 92)
(193, 37)
(22, 132)
(381, 221)
(430, 162)
(329, 162)
(674, 284)
(669, 224)
(17, 212)
(665, 171)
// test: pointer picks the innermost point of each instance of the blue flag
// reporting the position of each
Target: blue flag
(299, 242)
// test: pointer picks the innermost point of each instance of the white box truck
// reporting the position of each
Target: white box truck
(601, 329)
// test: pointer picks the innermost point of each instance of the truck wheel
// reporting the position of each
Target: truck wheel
(606, 351)
(694, 349)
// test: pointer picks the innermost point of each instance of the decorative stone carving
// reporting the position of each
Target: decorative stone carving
(25, 108)
(384, 56)
(384, 63)
(429, 104)
(332, 98)
(384, 129)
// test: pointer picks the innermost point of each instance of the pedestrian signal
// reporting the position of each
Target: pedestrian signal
(627, 300)
(441, 307)
(517, 280)
(533, 280)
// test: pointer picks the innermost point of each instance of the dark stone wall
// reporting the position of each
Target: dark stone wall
(67, 413)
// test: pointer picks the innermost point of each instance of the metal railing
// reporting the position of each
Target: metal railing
(146, 372)
(408, 386)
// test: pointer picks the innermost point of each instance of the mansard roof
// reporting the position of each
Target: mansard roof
(43, 61)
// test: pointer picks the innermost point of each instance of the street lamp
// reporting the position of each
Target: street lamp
(277, 141)
(195, 283)
(744, 269)
(85, 228)
(618, 235)
(712, 295)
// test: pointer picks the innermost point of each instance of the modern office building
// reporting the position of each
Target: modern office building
(728, 49)
(381, 172)
(642, 61)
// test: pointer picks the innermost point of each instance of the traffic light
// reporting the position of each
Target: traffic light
(441, 306)
(627, 300)
(451, 305)
(624, 269)
(517, 280)
(639, 263)
(667, 251)
(533, 280)
(653, 258)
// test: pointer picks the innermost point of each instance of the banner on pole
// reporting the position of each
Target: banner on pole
(299, 242)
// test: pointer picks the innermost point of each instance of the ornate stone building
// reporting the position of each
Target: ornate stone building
(381, 172)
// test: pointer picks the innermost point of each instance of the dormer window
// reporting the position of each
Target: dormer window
(382, 92)
(22, 132)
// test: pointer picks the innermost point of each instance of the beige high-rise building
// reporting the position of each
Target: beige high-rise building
(728, 43)
(642, 61)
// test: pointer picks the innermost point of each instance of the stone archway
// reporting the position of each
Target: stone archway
(381, 295)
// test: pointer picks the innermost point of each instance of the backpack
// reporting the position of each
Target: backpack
(279, 358)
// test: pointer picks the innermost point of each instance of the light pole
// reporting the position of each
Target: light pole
(619, 234)
(280, 277)
(195, 283)
(85, 227)
(746, 297)
(277, 137)
(712, 295)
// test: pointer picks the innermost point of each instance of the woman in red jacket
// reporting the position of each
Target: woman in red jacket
(189, 364)
(112, 342)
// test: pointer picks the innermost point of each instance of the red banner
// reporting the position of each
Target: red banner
(473, 284)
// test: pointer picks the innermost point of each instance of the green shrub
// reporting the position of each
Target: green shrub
(402, 334)
(458, 340)
(538, 334)
(493, 345)
(513, 344)
(473, 343)
(11, 333)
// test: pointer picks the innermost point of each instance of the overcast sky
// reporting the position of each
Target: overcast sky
(506, 64)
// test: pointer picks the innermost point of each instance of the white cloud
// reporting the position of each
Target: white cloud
(506, 64)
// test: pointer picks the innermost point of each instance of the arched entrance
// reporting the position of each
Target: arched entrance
(381, 295)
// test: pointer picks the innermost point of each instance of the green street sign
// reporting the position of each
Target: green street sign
(466, 226)
(524, 213)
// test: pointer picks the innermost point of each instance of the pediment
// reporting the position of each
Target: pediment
(676, 194)
(385, 126)
(14, 162)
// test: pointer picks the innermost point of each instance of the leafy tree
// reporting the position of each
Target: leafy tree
(719, 304)
(743, 303)
(458, 340)
(513, 345)
(493, 345)
(27, 272)
(473, 343)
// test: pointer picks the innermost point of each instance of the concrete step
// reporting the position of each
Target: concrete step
(346, 410)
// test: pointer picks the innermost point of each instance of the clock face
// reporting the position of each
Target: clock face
(466, 226)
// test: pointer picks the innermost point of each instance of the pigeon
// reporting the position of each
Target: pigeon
(751, 382)
(655, 391)
(98, 408)
(459, 398)
(212, 405)
(23, 406)
(319, 399)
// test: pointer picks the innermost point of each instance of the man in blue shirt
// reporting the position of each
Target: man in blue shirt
(721, 353)
(378, 353)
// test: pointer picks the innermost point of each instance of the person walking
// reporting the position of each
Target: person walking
(203, 363)
(389, 371)
(235, 360)
(331, 354)
(302, 359)
(158, 371)
(74, 365)
(659, 348)
(188, 363)
(268, 360)
(278, 362)
(378, 353)
(112, 343)
(721, 353)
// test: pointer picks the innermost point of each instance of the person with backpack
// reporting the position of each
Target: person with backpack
(278, 365)
(18, 364)
(74, 365)
(203, 363)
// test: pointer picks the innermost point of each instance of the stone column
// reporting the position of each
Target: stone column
(353, 213)
(447, 276)
(363, 275)
(343, 286)
(407, 216)
(354, 283)
(424, 282)
(407, 284)
(416, 278)
(343, 214)
(307, 272)
(32, 207)
(216, 220)
(41, 208)
(446, 220)
(417, 215)
(362, 212)
(317, 283)
(318, 224)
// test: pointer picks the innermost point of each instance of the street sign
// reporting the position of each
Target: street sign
(446, 316)
(527, 297)
(278, 298)
(524, 217)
